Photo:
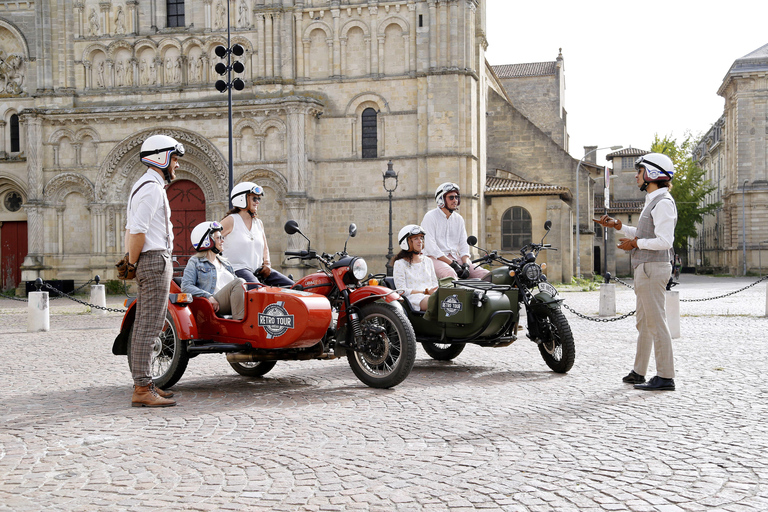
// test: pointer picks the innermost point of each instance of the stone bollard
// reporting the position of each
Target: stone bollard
(673, 312)
(39, 318)
(607, 299)
(98, 298)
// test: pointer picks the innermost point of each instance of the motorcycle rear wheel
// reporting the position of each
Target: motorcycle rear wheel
(443, 351)
(389, 359)
(169, 355)
(556, 347)
(254, 369)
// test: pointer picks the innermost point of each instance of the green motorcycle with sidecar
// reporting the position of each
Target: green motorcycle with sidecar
(487, 313)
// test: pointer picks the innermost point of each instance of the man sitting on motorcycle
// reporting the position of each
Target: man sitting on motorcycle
(413, 272)
(208, 274)
(446, 236)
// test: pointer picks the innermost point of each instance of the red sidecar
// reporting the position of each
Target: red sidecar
(279, 324)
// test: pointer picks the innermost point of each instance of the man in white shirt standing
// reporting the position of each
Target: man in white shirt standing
(651, 244)
(149, 242)
(446, 236)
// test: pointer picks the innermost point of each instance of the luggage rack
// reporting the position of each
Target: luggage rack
(479, 284)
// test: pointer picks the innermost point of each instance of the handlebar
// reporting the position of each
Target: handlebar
(302, 254)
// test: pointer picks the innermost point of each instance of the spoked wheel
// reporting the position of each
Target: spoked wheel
(556, 347)
(169, 355)
(443, 351)
(253, 369)
(390, 347)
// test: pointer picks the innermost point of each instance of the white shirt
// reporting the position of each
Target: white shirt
(223, 277)
(146, 214)
(445, 236)
(414, 278)
(247, 249)
(664, 216)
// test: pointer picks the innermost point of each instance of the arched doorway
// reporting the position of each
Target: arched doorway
(187, 211)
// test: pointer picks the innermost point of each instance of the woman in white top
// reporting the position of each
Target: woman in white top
(414, 273)
(246, 241)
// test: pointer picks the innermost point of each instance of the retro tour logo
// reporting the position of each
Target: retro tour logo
(451, 305)
(275, 320)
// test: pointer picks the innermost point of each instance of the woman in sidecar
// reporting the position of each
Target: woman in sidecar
(413, 272)
(208, 274)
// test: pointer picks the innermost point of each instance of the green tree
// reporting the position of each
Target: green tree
(689, 188)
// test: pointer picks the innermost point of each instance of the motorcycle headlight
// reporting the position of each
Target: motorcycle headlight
(359, 268)
(532, 271)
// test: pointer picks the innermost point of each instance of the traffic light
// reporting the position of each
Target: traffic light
(223, 69)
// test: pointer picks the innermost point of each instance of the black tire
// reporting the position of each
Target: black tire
(443, 351)
(390, 355)
(169, 355)
(253, 369)
(556, 347)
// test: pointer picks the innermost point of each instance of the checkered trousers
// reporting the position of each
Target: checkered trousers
(153, 275)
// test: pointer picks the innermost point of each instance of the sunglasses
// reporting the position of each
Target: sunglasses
(453, 197)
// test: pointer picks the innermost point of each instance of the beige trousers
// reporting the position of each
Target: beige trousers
(231, 299)
(653, 333)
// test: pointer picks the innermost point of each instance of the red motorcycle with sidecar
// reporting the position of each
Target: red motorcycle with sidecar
(327, 315)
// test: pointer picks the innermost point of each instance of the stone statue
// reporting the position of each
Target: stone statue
(196, 68)
(242, 19)
(221, 16)
(100, 74)
(152, 72)
(128, 73)
(119, 69)
(11, 73)
(120, 21)
(93, 23)
(143, 72)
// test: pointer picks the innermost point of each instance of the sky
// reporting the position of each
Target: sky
(632, 69)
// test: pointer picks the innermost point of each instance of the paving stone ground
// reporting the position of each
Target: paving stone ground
(492, 430)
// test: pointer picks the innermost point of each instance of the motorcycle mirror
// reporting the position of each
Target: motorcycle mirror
(472, 240)
(292, 227)
(352, 230)
(548, 225)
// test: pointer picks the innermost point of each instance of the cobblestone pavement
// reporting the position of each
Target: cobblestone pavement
(492, 430)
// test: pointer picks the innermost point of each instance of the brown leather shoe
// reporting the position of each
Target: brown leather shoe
(146, 396)
(163, 393)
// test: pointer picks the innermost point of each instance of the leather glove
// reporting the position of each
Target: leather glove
(608, 222)
(627, 244)
(464, 271)
(456, 267)
(125, 270)
(264, 272)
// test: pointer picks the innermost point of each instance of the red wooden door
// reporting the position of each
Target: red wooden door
(13, 247)
(187, 211)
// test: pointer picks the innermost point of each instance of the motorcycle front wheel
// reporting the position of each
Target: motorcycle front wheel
(443, 351)
(556, 347)
(254, 369)
(389, 347)
(169, 356)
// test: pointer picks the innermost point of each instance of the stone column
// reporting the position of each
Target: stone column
(32, 267)
(106, 28)
(79, 8)
(269, 47)
(296, 155)
(78, 147)
(132, 18)
(336, 70)
(298, 45)
(88, 75)
(3, 135)
(412, 37)
(432, 34)
(277, 67)
(59, 230)
(261, 27)
(375, 63)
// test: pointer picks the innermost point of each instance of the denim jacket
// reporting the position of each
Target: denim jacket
(200, 276)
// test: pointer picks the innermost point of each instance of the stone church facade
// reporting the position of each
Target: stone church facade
(335, 89)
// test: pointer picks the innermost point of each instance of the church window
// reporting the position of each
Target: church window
(515, 228)
(15, 145)
(13, 201)
(175, 13)
(370, 136)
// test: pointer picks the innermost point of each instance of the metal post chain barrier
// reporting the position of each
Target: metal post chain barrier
(726, 294)
(596, 319)
(62, 294)
(622, 282)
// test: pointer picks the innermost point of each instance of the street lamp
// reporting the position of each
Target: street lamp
(744, 225)
(578, 224)
(227, 85)
(390, 184)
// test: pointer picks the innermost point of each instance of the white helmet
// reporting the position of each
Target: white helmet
(407, 232)
(201, 236)
(658, 167)
(443, 189)
(239, 194)
(157, 150)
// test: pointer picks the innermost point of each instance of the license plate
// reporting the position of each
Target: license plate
(547, 288)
